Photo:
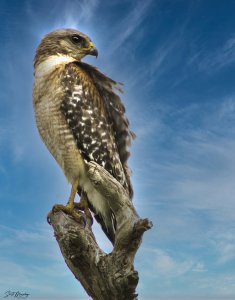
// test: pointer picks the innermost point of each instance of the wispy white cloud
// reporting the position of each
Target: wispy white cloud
(152, 69)
(31, 240)
(199, 268)
(76, 13)
(165, 265)
(30, 258)
(129, 24)
(66, 14)
(201, 170)
(224, 245)
(221, 285)
(219, 58)
(161, 59)
(12, 272)
(162, 264)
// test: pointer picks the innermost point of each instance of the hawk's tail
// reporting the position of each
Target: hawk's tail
(107, 223)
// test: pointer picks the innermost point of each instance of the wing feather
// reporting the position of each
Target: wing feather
(123, 136)
(87, 115)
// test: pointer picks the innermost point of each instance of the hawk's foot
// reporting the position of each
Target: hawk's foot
(68, 209)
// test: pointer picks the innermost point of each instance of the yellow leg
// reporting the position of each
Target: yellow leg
(69, 208)
(74, 190)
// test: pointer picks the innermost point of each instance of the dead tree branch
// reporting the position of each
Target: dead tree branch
(103, 276)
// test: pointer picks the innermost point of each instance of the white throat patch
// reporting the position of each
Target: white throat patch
(52, 63)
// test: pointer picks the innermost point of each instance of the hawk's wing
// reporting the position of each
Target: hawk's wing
(116, 114)
(95, 115)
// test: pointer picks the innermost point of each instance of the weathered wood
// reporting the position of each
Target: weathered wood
(103, 276)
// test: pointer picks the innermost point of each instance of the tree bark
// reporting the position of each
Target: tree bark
(103, 276)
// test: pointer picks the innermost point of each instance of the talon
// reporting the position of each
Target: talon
(68, 209)
(72, 208)
(57, 207)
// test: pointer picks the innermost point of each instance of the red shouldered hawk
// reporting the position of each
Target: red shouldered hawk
(80, 118)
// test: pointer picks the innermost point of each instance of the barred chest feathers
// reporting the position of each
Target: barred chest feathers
(52, 126)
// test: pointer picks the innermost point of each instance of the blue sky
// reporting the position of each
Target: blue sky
(177, 60)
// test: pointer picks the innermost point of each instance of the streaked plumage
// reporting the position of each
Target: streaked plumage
(80, 117)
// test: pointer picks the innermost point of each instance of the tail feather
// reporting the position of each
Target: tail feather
(108, 224)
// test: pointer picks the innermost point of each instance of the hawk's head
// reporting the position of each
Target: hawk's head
(65, 42)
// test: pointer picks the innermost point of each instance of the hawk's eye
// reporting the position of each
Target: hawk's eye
(76, 39)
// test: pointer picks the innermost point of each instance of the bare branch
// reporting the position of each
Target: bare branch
(103, 276)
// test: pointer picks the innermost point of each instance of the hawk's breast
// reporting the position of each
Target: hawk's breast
(53, 128)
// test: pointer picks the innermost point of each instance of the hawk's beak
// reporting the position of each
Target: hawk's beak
(93, 52)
